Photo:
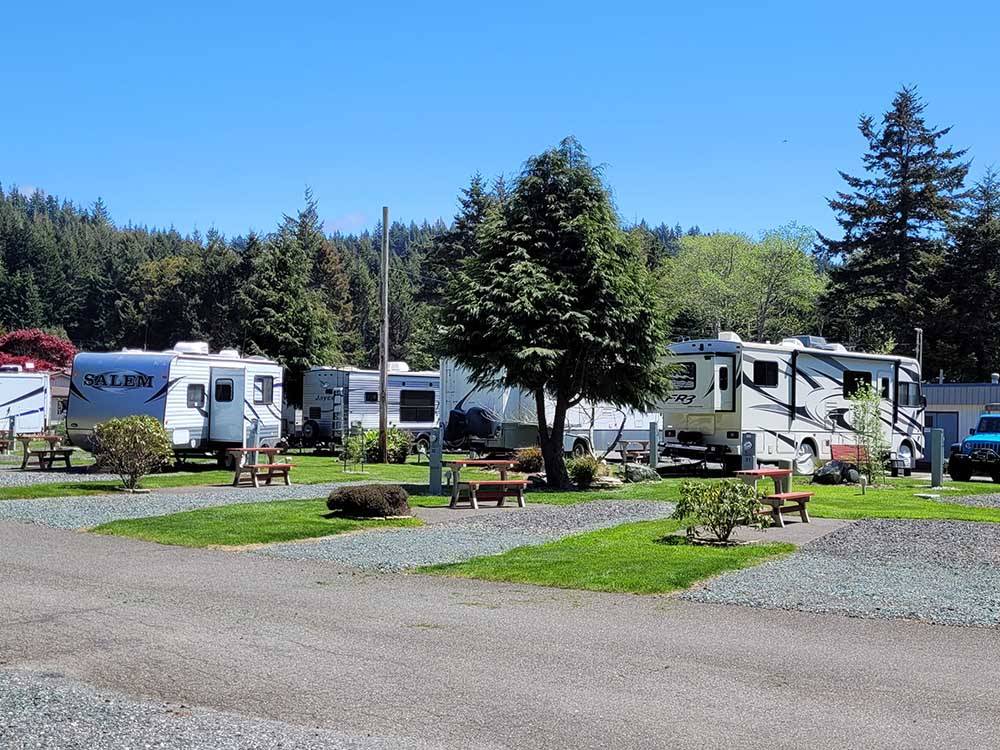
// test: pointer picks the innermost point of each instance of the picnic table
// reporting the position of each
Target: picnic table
(45, 457)
(783, 499)
(629, 454)
(485, 489)
(256, 470)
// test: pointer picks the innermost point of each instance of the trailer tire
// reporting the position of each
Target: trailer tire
(581, 448)
(422, 445)
(310, 433)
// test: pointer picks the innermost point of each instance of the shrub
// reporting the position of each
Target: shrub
(718, 506)
(528, 460)
(370, 501)
(131, 447)
(584, 470)
(399, 443)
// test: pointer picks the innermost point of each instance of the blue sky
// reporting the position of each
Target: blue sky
(203, 115)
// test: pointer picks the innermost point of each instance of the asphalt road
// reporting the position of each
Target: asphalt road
(470, 664)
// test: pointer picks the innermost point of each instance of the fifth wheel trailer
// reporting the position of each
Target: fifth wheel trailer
(335, 399)
(502, 419)
(740, 403)
(207, 402)
(24, 400)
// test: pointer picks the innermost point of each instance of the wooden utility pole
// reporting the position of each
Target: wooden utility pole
(383, 368)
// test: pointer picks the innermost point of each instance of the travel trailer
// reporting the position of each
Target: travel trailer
(739, 403)
(336, 399)
(500, 420)
(24, 400)
(207, 402)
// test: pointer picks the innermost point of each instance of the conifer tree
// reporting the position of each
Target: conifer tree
(893, 220)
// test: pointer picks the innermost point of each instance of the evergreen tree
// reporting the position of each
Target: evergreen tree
(893, 220)
(963, 336)
(554, 299)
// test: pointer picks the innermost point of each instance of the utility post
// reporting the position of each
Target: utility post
(383, 368)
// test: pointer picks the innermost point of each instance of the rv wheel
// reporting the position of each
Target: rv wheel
(805, 459)
(422, 445)
(580, 449)
(310, 433)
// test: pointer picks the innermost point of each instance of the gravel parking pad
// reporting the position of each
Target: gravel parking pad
(944, 572)
(46, 710)
(91, 510)
(456, 541)
(991, 500)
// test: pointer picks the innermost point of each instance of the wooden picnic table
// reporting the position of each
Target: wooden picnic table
(456, 466)
(267, 470)
(782, 500)
(45, 456)
(626, 453)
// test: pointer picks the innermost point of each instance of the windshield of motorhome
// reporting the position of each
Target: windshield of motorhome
(682, 376)
(989, 424)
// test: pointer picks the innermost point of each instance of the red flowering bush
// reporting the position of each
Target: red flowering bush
(46, 351)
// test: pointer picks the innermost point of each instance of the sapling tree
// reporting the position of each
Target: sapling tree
(132, 447)
(554, 298)
(866, 418)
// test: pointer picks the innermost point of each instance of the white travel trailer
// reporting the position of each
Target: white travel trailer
(335, 399)
(741, 404)
(207, 402)
(24, 400)
(500, 420)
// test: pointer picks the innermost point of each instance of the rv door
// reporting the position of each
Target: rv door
(724, 366)
(226, 410)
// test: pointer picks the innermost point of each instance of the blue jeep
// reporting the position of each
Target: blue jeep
(979, 453)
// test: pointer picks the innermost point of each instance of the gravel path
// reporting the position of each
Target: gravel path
(991, 500)
(12, 476)
(46, 710)
(455, 541)
(945, 572)
(91, 510)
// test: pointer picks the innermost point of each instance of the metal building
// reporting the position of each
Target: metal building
(955, 407)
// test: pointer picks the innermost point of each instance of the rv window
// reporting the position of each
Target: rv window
(682, 376)
(885, 388)
(765, 374)
(223, 390)
(854, 381)
(371, 397)
(315, 412)
(909, 394)
(263, 389)
(416, 406)
(723, 378)
(196, 396)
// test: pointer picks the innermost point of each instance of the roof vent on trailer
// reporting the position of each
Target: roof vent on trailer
(399, 367)
(191, 347)
(730, 336)
(229, 353)
(812, 342)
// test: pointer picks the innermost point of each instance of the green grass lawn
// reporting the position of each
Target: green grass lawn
(638, 558)
(308, 469)
(249, 523)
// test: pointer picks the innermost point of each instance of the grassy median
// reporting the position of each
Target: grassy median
(639, 558)
(246, 523)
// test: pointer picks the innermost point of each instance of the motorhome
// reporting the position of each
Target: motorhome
(338, 399)
(24, 400)
(741, 404)
(503, 419)
(207, 402)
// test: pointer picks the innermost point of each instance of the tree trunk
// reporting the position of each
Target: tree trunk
(551, 440)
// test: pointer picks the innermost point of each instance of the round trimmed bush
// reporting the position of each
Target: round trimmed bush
(132, 447)
(370, 501)
(528, 460)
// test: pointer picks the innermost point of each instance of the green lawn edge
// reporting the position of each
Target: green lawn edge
(245, 524)
(645, 557)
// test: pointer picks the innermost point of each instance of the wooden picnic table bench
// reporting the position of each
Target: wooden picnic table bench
(255, 470)
(45, 457)
(488, 490)
(783, 499)
(456, 466)
(856, 454)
